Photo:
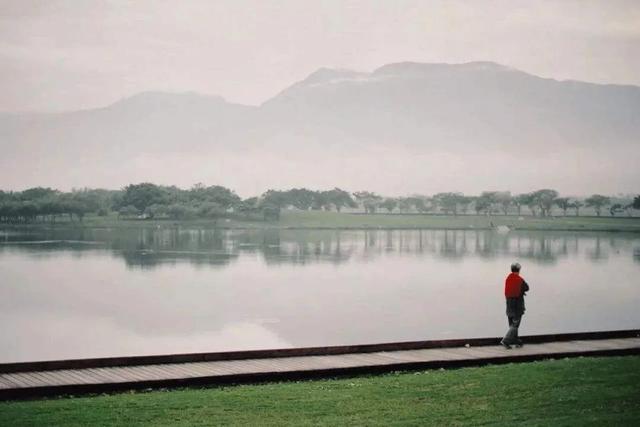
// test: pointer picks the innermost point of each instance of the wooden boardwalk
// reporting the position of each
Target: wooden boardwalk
(21, 380)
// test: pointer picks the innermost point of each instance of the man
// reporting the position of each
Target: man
(514, 291)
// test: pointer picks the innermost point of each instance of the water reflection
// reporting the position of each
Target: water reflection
(149, 248)
(92, 293)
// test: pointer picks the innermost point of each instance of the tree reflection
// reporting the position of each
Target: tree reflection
(149, 248)
(598, 253)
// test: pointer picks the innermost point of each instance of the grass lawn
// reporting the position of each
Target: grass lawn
(335, 220)
(576, 392)
(317, 219)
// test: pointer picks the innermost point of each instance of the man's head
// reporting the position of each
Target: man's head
(515, 267)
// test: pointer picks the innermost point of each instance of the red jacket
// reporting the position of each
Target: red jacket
(513, 286)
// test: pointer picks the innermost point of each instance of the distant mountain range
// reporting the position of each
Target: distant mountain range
(403, 128)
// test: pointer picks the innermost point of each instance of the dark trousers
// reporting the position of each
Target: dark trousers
(512, 333)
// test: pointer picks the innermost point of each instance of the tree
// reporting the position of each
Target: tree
(448, 202)
(143, 195)
(482, 204)
(464, 202)
(35, 193)
(563, 203)
(368, 200)
(79, 203)
(248, 206)
(522, 200)
(274, 198)
(628, 209)
(199, 194)
(615, 208)
(179, 211)
(128, 212)
(389, 204)
(321, 201)
(404, 204)
(420, 203)
(28, 210)
(210, 210)
(504, 200)
(636, 202)
(576, 204)
(339, 198)
(423, 205)
(271, 213)
(303, 199)
(490, 201)
(545, 199)
(597, 201)
(156, 210)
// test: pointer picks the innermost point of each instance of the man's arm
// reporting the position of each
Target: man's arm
(524, 287)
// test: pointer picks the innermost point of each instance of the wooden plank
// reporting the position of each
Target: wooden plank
(293, 352)
(211, 368)
(300, 363)
(177, 370)
(29, 378)
(372, 359)
(124, 373)
(96, 373)
(556, 347)
(601, 344)
(483, 351)
(42, 378)
(20, 379)
(84, 375)
(206, 369)
(6, 383)
(111, 374)
(310, 363)
(165, 370)
(270, 365)
(151, 373)
(56, 379)
(181, 369)
(439, 354)
(234, 367)
(170, 374)
(76, 375)
(134, 373)
(253, 366)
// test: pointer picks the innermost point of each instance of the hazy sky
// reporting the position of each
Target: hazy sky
(65, 55)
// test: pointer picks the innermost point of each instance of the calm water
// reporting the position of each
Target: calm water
(92, 293)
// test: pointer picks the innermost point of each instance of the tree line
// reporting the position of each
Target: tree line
(538, 203)
(147, 200)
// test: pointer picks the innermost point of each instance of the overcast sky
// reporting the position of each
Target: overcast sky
(66, 55)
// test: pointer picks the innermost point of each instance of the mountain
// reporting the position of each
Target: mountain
(405, 127)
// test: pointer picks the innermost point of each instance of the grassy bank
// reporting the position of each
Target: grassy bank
(580, 392)
(337, 220)
(334, 220)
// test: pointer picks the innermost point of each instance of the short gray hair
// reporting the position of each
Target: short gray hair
(515, 267)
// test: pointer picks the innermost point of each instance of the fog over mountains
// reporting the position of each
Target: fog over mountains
(403, 128)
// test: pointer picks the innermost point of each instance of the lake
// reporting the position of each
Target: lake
(68, 293)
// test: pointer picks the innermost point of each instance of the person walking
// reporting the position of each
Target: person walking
(515, 288)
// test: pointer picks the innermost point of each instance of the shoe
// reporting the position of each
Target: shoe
(505, 345)
(519, 344)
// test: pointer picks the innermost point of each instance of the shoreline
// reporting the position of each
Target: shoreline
(314, 220)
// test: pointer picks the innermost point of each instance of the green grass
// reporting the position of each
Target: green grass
(316, 219)
(335, 220)
(568, 392)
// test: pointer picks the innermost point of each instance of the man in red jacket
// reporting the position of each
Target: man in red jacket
(514, 291)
